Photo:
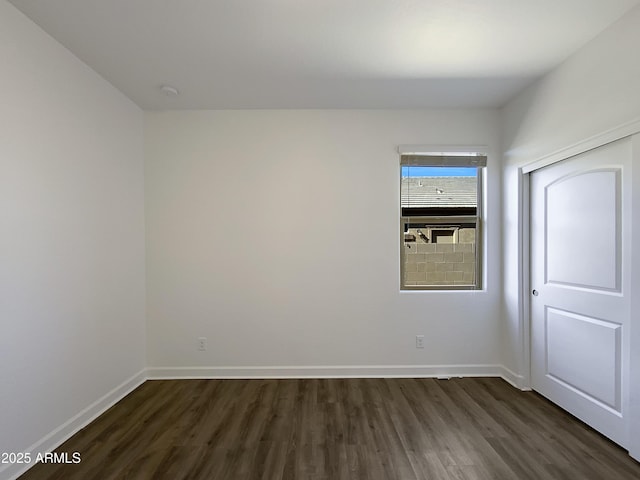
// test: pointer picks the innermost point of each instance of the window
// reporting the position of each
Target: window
(440, 226)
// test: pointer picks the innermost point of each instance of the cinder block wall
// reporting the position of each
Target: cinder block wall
(439, 263)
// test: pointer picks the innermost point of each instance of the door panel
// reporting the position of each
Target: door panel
(583, 224)
(595, 372)
(580, 309)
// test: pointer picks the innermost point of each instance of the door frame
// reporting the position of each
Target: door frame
(630, 129)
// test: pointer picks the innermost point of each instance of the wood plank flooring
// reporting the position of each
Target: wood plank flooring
(325, 429)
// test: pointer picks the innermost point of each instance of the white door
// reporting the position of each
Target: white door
(580, 242)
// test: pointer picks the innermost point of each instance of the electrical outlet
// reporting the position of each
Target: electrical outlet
(419, 341)
(202, 343)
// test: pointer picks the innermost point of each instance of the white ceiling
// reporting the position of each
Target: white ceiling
(323, 53)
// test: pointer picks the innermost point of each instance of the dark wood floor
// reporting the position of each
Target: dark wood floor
(465, 429)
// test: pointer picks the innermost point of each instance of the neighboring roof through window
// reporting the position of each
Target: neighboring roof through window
(425, 192)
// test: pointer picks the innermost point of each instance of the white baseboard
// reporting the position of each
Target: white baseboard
(635, 454)
(514, 379)
(61, 434)
(334, 371)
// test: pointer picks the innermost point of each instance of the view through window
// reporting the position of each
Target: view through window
(440, 225)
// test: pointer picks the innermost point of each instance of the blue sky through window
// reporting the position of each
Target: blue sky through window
(411, 171)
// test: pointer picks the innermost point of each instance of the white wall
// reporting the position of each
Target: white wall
(72, 318)
(593, 91)
(262, 224)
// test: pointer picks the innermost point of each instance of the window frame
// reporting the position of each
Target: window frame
(469, 159)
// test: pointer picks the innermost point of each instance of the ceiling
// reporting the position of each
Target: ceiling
(323, 53)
